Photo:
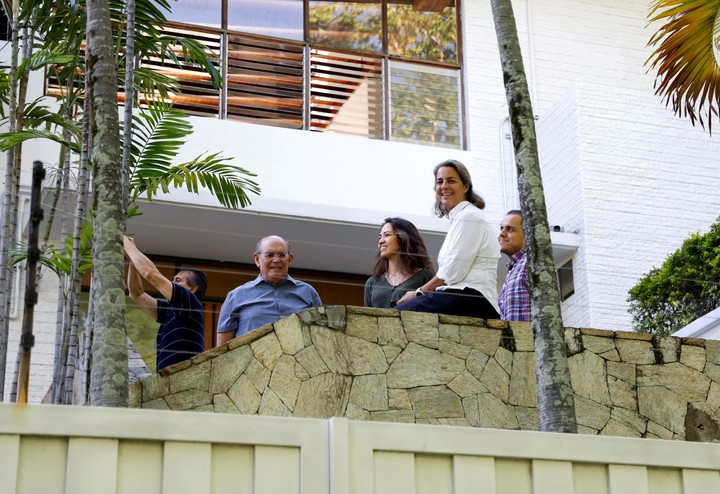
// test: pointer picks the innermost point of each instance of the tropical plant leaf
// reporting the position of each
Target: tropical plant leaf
(8, 140)
(688, 76)
(37, 114)
(59, 260)
(158, 133)
(228, 183)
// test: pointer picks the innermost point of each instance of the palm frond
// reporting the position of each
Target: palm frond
(158, 133)
(688, 75)
(59, 260)
(228, 183)
(8, 140)
(37, 114)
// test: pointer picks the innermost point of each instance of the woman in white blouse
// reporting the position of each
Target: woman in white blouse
(466, 280)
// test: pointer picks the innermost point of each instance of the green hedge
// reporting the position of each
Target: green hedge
(684, 288)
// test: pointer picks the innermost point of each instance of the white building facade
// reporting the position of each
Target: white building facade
(625, 180)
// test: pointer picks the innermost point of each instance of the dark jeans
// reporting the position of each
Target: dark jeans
(466, 302)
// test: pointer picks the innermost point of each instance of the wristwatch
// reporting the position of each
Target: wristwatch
(419, 292)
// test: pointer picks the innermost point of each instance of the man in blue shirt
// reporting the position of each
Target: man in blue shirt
(181, 316)
(514, 299)
(271, 296)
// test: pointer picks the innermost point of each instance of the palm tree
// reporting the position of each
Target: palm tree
(687, 50)
(108, 375)
(154, 137)
(556, 404)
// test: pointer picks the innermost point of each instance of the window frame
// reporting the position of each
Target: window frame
(307, 46)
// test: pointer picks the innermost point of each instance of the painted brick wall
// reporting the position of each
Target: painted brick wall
(564, 43)
(645, 178)
(43, 352)
(643, 189)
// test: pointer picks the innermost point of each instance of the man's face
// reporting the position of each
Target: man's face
(183, 279)
(273, 261)
(511, 238)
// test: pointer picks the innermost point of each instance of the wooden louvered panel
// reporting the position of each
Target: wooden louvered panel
(346, 94)
(196, 93)
(265, 82)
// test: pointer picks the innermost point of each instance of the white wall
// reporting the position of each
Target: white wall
(41, 359)
(642, 181)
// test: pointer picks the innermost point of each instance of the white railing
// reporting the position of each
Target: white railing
(54, 449)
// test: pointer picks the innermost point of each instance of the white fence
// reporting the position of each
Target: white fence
(73, 450)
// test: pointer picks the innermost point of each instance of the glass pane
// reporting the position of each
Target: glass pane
(141, 328)
(277, 18)
(425, 30)
(199, 12)
(346, 93)
(425, 105)
(348, 25)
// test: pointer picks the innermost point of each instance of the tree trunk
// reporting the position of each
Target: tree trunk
(9, 206)
(61, 321)
(129, 102)
(556, 404)
(83, 185)
(109, 371)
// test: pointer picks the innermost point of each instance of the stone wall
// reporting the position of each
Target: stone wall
(385, 365)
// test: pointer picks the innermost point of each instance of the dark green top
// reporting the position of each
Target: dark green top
(379, 293)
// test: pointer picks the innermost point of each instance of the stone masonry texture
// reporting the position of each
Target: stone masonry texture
(385, 365)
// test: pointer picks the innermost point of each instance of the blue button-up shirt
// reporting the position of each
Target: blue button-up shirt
(257, 303)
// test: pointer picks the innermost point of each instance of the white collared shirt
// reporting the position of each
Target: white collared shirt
(469, 255)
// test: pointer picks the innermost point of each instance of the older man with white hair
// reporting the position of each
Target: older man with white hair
(274, 294)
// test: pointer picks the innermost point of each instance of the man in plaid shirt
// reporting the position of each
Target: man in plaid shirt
(514, 300)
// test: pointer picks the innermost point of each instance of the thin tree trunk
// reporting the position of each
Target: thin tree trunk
(109, 371)
(82, 395)
(7, 237)
(27, 48)
(86, 352)
(61, 319)
(129, 102)
(83, 185)
(556, 404)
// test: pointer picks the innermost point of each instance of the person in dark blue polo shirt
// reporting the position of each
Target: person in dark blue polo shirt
(181, 334)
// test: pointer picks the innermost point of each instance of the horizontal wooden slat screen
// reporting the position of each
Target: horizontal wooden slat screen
(346, 93)
(265, 81)
(425, 105)
(196, 94)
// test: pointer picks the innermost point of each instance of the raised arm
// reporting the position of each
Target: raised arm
(137, 293)
(146, 269)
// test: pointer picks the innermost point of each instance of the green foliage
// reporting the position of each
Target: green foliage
(59, 261)
(684, 288)
(158, 134)
(8, 140)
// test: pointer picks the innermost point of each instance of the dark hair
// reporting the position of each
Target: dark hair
(197, 278)
(514, 211)
(464, 174)
(413, 253)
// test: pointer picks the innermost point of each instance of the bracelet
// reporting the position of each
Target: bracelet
(419, 292)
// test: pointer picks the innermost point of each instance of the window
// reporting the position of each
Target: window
(566, 283)
(379, 69)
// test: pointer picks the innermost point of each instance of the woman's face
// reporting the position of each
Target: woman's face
(449, 189)
(388, 243)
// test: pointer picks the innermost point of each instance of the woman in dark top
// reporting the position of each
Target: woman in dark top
(403, 264)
